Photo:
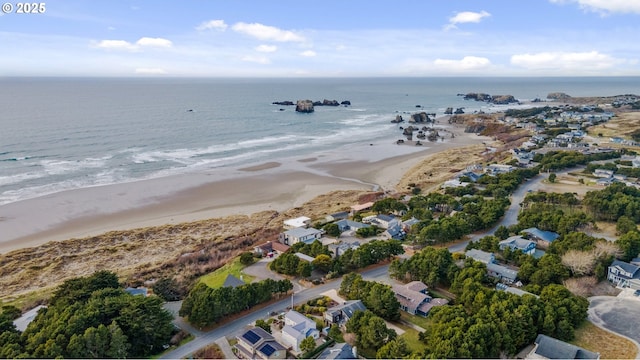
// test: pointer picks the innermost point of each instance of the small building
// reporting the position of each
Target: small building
(297, 328)
(264, 249)
(339, 249)
(361, 207)
(394, 232)
(232, 281)
(408, 224)
(517, 242)
(339, 351)
(297, 235)
(341, 215)
(482, 256)
(546, 347)
(413, 298)
(279, 248)
(340, 314)
(623, 274)
(541, 237)
(299, 222)
(495, 169)
(382, 221)
(345, 225)
(502, 273)
(256, 343)
(603, 173)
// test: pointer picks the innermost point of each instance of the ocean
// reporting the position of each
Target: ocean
(60, 134)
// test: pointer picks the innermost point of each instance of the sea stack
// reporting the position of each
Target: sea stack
(304, 106)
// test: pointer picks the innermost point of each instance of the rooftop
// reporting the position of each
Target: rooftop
(551, 348)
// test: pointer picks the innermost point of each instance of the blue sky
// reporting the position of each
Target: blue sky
(348, 38)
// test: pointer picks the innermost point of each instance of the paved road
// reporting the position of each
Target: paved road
(618, 314)
(233, 328)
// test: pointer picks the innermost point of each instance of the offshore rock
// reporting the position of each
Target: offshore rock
(304, 106)
(346, 103)
(284, 103)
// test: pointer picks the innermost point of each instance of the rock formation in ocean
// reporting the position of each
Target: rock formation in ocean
(495, 99)
(304, 106)
(285, 103)
(558, 96)
(345, 103)
(398, 119)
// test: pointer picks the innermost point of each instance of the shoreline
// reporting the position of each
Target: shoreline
(280, 185)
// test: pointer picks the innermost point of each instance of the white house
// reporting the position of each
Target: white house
(297, 235)
(299, 222)
(297, 328)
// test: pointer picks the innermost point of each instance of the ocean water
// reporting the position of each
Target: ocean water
(59, 134)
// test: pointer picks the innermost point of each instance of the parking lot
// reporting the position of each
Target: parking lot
(619, 314)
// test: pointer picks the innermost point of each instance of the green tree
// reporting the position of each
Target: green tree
(625, 224)
(308, 344)
(552, 178)
(394, 349)
(264, 325)
(335, 333)
(323, 262)
(629, 244)
(168, 289)
(332, 229)
(246, 258)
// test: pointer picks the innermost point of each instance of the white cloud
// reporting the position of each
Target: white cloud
(212, 25)
(466, 17)
(606, 6)
(574, 61)
(265, 32)
(150, 71)
(465, 64)
(116, 45)
(257, 59)
(266, 48)
(127, 46)
(154, 42)
(308, 53)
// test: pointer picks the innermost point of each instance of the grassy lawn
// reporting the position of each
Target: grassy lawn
(414, 319)
(413, 341)
(216, 278)
(610, 346)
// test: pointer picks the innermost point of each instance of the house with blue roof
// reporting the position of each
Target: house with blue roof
(256, 343)
(546, 347)
(541, 237)
(297, 328)
(300, 234)
(340, 314)
(527, 247)
(344, 225)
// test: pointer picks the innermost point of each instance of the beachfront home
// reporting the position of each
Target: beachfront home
(340, 314)
(382, 221)
(345, 225)
(299, 222)
(297, 235)
(413, 298)
(256, 343)
(623, 274)
(297, 328)
(232, 281)
(546, 347)
(517, 242)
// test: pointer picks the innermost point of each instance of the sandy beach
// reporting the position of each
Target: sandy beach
(275, 185)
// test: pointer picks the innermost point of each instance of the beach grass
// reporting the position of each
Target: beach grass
(609, 345)
(216, 279)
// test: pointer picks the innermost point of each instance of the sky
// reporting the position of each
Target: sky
(329, 38)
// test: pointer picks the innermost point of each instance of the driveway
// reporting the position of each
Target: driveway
(260, 271)
(619, 314)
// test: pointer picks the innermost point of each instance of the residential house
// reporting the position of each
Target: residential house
(502, 273)
(382, 221)
(603, 173)
(495, 169)
(513, 290)
(361, 207)
(263, 249)
(517, 242)
(541, 237)
(232, 281)
(345, 225)
(339, 249)
(339, 351)
(256, 343)
(297, 328)
(394, 232)
(342, 215)
(340, 314)
(297, 235)
(279, 248)
(413, 298)
(299, 222)
(546, 347)
(482, 256)
(408, 224)
(623, 274)
(605, 181)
